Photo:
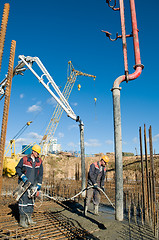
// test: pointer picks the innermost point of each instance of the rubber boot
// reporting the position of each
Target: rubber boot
(23, 222)
(96, 210)
(85, 211)
(30, 220)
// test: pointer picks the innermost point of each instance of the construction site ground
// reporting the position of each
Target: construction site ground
(65, 220)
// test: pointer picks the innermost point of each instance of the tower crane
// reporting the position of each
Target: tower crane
(52, 126)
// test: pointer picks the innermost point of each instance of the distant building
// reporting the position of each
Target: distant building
(54, 147)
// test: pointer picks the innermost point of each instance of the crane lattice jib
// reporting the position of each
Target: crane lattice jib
(52, 126)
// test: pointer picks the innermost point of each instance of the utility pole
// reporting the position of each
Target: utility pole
(116, 97)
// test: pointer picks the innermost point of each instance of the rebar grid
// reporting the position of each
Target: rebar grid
(50, 225)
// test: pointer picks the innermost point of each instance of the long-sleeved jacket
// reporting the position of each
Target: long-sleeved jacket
(94, 171)
(25, 167)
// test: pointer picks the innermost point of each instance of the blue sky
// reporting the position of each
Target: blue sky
(59, 31)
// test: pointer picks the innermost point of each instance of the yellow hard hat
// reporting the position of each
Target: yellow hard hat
(105, 158)
(36, 148)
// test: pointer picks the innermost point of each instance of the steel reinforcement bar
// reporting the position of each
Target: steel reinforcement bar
(3, 29)
(6, 108)
(50, 225)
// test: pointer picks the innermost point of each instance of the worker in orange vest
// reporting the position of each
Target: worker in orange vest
(29, 169)
(96, 177)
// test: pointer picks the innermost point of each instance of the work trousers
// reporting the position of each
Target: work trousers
(25, 204)
(96, 196)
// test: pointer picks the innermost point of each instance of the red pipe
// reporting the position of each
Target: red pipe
(135, 32)
(138, 65)
(122, 17)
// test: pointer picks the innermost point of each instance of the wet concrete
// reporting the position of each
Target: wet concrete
(105, 226)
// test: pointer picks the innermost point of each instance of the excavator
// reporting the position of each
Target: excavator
(10, 163)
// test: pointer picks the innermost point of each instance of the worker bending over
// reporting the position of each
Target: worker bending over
(30, 169)
(96, 177)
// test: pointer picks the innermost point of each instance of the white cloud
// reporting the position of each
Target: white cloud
(109, 142)
(21, 141)
(135, 140)
(35, 136)
(92, 143)
(21, 95)
(155, 138)
(72, 144)
(51, 101)
(74, 104)
(31, 138)
(34, 108)
(38, 103)
(60, 135)
(73, 126)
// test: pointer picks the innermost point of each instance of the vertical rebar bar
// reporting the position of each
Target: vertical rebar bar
(151, 198)
(147, 175)
(153, 180)
(3, 29)
(142, 172)
(152, 164)
(6, 108)
(135, 209)
(125, 201)
(156, 228)
(129, 208)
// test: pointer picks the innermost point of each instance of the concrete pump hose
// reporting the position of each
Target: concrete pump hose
(68, 199)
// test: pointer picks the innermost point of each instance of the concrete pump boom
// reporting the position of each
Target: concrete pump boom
(48, 83)
(61, 100)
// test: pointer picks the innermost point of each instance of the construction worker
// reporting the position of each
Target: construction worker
(96, 176)
(29, 169)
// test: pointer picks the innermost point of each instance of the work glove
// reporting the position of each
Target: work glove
(95, 186)
(38, 194)
(32, 192)
(38, 186)
(24, 178)
(103, 188)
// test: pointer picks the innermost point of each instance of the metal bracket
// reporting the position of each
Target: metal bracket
(112, 7)
(108, 34)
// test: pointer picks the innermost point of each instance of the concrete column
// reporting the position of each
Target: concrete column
(118, 155)
(83, 174)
